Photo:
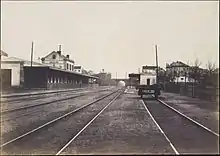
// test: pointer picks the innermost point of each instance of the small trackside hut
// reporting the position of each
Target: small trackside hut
(148, 82)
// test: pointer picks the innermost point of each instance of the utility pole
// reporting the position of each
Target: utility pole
(116, 78)
(32, 49)
(156, 63)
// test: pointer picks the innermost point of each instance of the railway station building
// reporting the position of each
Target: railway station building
(50, 78)
(55, 71)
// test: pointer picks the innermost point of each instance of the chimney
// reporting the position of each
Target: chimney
(59, 50)
(68, 56)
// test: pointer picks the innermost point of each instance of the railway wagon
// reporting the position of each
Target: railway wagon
(148, 85)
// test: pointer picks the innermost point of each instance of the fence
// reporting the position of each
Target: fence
(210, 93)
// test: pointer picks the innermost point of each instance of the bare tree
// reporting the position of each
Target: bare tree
(210, 67)
(195, 71)
(197, 63)
(210, 77)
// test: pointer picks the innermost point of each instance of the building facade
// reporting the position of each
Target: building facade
(149, 69)
(77, 69)
(57, 60)
(177, 68)
(179, 72)
(104, 78)
(13, 69)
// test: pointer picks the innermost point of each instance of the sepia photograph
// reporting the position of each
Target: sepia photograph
(109, 77)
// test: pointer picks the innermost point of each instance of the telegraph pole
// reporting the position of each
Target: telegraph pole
(116, 79)
(156, 63)
(32, 49)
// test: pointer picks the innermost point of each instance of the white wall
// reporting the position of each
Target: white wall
(15, 72)
(57, 62)
(143, 79)
(78, 70)
(148, 71)
(72, 65)
(182, 79)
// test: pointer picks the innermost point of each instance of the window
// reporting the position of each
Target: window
(67, 66)
(70, 66)
(54, 56)
(182, 78)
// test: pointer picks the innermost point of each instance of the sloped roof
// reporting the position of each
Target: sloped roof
(177, 64)
(149, 67)
(54, 68)
(70, 60)
(77, 67)
(62, 56)
(15, 59)
(3, 53)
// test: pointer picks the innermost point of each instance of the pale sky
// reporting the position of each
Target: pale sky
(116, 36)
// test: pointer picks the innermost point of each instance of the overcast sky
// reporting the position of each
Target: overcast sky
(116, 36)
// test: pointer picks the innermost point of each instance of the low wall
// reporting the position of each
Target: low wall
(210, 93)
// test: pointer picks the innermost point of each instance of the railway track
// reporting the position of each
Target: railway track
(5, 113)
(75, 120)
(34, 97)
(184, 134)
(49, 101)
(17, 98)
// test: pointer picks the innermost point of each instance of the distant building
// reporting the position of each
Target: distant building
(77, 69)
(149, 69)
(84, 71)
(90, 72)
(56, 59)
(13, 71)
(179, 71)
(181, 79)
(134, 79)
(104, 78)
(179, 68)
(80, 70)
